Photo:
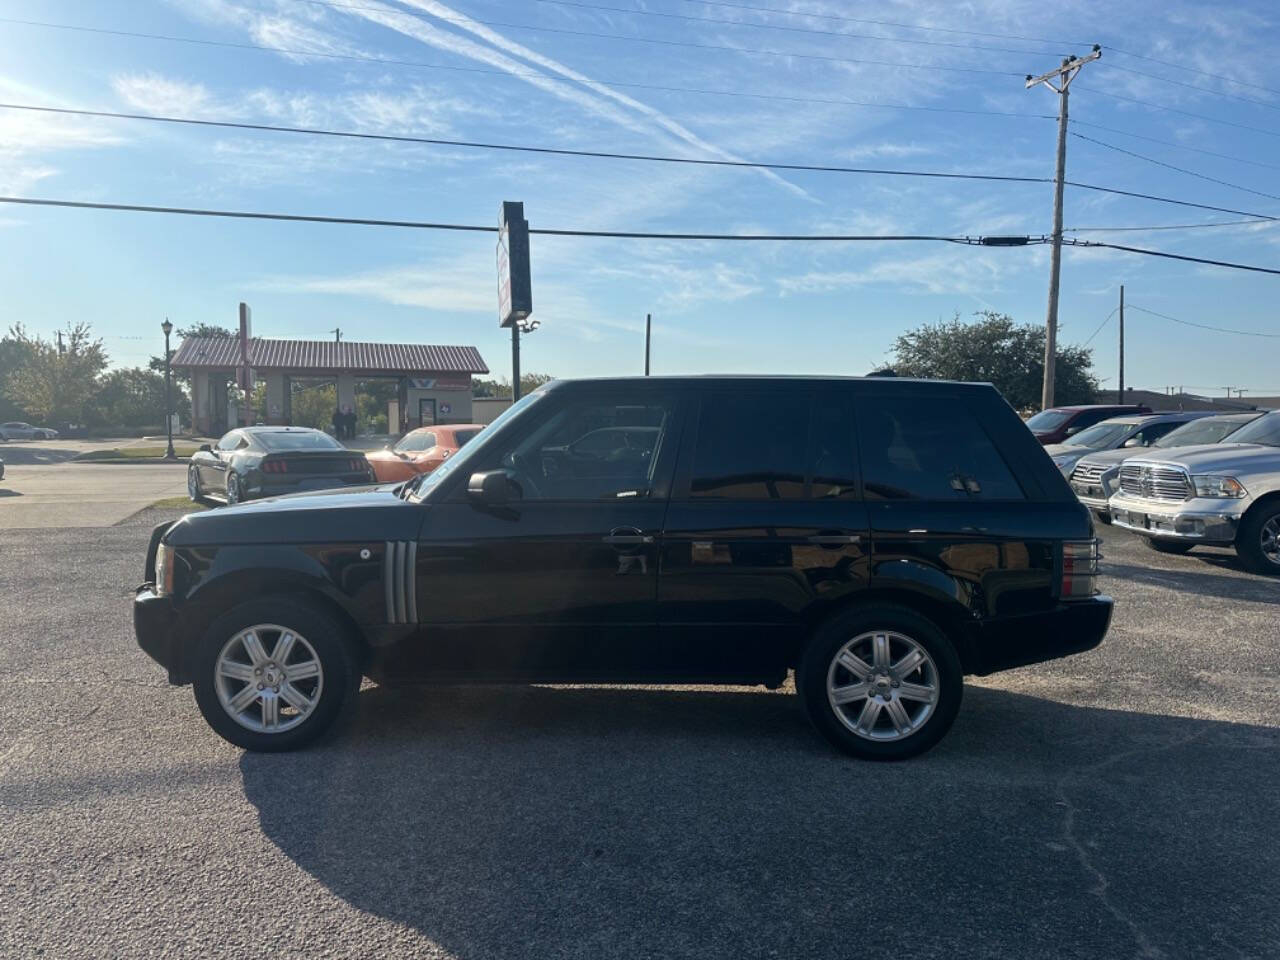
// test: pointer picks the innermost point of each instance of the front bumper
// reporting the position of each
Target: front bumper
(1094, 494)
(154, 625)
(1203, 520)
(1071, 627)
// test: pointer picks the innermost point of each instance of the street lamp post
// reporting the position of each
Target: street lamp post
(169, 453)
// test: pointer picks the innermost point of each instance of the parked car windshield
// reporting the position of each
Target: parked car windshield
(1048, 419)
(1204, 430)
(416, 442)
(1264, 430)
(288, 440)
(1101, 437)
(459, 460)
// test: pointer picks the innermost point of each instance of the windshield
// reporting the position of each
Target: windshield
(416, 442)
(1264, 430)
(1047, 419)
(464, 456)
(1101, 437)
(1208, 430)
(298, 441)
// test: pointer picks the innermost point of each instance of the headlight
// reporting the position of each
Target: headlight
(1215, 486)
(164, 571)
(1062, 458)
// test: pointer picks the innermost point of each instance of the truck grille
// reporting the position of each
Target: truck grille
(1154, 483)
(1087, 472)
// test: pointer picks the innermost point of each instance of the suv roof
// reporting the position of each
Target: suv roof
(879, 382)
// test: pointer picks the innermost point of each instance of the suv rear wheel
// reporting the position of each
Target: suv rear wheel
(273, 674)
(880, 683)
(1258, 540)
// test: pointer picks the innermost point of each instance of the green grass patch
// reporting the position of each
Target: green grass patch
(178, 503)
(135, 453)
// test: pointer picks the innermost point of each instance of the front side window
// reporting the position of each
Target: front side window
(928, 450)
(1149, 435)
(462, 437)
(751, 447)
(590, 449)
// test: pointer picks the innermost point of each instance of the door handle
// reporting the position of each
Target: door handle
(627, 536)
(834, 539)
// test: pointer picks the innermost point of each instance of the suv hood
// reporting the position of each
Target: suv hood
(352, 514)
(1216, 457)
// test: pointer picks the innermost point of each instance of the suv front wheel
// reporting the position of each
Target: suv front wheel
(880, 683)
(1258, 540)
(272, 674)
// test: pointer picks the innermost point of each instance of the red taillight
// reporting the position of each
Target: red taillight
(275, 466)
(1079, 568)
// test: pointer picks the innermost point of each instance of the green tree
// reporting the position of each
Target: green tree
(501, 387)
(997, 350)
(14, 353)
(134, 398)
(313, 406)
(56, 382)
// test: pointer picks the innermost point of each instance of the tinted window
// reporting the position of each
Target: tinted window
(298, 441)
(463, 437)
(915, 449)
(1047, 419)
(1207, 430)
(834, 468)
(623, 439)
(1149, 435)
(751, 447)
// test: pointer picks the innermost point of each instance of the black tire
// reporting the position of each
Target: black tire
(194, 490)
(1249, 540)
(234, 494)
(827, 643)
(1176, 547)
(333, 649)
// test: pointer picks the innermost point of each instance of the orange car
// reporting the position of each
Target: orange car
(421, 451)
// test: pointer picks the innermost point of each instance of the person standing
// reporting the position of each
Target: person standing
(336, 420)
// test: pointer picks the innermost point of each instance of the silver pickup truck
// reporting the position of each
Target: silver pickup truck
(1224, 494)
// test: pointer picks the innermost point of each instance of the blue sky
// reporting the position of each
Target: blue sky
(520, 71)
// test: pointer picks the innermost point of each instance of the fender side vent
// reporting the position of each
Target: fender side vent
(399, 580)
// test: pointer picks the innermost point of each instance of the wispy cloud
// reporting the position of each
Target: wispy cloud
(962, 271)
(30, 141)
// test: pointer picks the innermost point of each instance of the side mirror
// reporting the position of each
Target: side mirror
(1134, 442)
(206, 448)
(491, 486)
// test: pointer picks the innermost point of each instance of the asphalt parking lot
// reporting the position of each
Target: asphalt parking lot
(1122, 803)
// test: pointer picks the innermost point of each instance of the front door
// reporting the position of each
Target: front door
(426, 412)
(561, 581)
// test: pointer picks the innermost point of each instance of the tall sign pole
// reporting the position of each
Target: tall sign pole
(1063, 75)
(515, 289)
(1121, 343)
(648, 318)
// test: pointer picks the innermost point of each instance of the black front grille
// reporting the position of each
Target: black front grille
(1151, 482)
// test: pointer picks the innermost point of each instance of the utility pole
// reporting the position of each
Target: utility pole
(61, 348)
(337, 334)
(1064, 75)
(1121, 400)
(648, 317)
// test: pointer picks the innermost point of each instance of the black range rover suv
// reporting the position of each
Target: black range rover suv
(882, 538)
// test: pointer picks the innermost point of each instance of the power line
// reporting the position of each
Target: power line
(775, 26)
(1172, 143)
(1163, 226)
(1180, 112)
(1183, 66)
(1170, 166)
(1101, 325)
(1204, 326)
(825, 168)
(885, 23)
(334, 4)
(1194, 86)
(474, 228)
(1173, 256)
(519, 148)
(621, 234)
(506, 74)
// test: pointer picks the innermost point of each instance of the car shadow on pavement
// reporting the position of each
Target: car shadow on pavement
(1198, 581)
(16, 454)
(590, 823)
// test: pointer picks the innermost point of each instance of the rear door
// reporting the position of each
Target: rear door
(951, 516)
(765, 526)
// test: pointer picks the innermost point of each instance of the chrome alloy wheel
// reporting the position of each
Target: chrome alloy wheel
(1271, 540)
(883, 685)
(233, 488)
(268, 692)
(193, 482)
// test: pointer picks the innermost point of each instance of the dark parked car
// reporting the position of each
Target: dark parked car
(1055, 424)
(256, 462)
(880, 537)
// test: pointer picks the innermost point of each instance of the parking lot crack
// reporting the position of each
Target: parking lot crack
(1101, 888)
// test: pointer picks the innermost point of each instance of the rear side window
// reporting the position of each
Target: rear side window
(751, 447)
(917, 449)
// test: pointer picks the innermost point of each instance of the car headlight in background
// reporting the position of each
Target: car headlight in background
(1216, 486)
(164, 571)
(1062, 458)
